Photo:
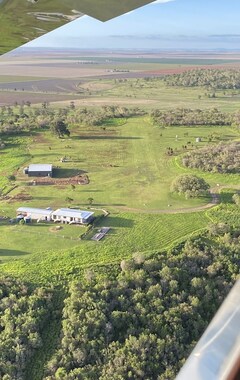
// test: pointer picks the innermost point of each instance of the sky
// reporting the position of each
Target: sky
(164, 24)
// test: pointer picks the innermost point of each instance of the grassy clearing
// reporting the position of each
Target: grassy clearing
(154, 94)
(171, 97)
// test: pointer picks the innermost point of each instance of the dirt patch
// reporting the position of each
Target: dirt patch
(40, 139)
(81, 179)
(19, 197)
(96, 86)
(55, 228)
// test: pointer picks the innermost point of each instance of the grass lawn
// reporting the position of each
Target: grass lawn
(129, 233)
(22, 240)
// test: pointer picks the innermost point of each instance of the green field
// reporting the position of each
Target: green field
(129, 233)
(126, 163)
(130, 176)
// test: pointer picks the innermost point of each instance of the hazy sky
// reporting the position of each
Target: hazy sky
(163, 24)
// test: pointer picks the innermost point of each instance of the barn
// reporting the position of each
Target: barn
(39, 170)
(35, 213)
(71, 216)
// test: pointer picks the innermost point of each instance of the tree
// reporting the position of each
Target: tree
(59, 127)
(90, 200)
(189, 185)
(69, 200)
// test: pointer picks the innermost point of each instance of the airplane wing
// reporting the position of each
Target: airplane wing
(23, 20)
(217, 354)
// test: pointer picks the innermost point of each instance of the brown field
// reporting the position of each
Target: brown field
(12, 97)
(43, 85)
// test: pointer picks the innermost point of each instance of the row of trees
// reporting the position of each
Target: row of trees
(211, 78)
(141, 322)
(24, 118)
(221, 158)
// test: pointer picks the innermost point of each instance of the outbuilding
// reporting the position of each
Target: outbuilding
(35, 213)
(71, 216)
(39, 170)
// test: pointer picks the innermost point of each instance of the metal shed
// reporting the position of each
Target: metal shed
(35, 213)
(39, 170)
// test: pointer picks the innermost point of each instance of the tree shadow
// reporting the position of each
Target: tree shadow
(11, 252)
(67, 173)
(101, 137)
(226, 197)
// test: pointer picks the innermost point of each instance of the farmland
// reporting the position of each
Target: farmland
(168, 259)
(126, 160)
(129, 174)
(94, 79)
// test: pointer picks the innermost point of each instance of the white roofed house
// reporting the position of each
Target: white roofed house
(72, 216)
(35, 213)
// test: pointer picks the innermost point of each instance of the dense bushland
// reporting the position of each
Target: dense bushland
(191, 117)
(24, 313)
(211, 78)
(142, 321)
(221, 158)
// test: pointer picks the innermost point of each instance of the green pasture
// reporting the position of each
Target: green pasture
(129, 233)
(127, 166)
(130, 175)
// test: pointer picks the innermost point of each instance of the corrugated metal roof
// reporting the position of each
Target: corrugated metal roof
(40, 168)
(218, 351)
(41, 211)
(73, 213)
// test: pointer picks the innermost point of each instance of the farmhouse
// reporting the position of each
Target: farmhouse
(35, 213)
(63, 215)
(39, 170)
(68, 215)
